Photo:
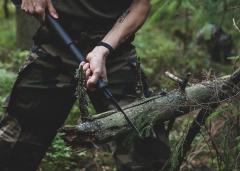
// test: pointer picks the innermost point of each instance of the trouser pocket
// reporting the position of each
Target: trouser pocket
(38, 105)
(33, 56)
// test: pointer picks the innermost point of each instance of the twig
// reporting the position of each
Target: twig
(235, 25)
(236, 162)
(173, 77)
(182, 82)
(185, 83)
(191, 134)
(214, 146)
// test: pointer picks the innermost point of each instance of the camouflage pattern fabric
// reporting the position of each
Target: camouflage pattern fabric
(43, 96)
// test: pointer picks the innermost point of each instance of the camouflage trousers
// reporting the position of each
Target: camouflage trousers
(42, 98)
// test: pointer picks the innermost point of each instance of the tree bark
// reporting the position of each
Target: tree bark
(5, 8)
(145, 113)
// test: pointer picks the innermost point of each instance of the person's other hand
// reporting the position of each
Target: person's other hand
(95, 66)
(39, 7)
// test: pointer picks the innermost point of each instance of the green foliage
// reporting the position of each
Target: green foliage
(60, 157)
(213, 11)
(6, 81)
(7, 28)
(227, 141)
(160, 51)
(14, 59)
(154, 47)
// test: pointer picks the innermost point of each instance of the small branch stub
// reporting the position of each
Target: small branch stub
(184, 83)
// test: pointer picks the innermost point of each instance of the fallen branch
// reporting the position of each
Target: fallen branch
(147, 112)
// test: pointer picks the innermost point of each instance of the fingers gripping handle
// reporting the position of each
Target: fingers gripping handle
(101, 84)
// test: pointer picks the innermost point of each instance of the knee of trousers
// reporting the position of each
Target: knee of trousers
(10, 130)
(19, 149)
(42, 95)
(9, 133)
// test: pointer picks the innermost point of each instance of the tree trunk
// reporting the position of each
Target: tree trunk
(147, 112)
(5, 8)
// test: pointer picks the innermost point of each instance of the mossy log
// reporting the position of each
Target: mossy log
(147, 112)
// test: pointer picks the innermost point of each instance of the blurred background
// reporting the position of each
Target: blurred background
(180, 36)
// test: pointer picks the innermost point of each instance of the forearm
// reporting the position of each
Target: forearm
(127, 24)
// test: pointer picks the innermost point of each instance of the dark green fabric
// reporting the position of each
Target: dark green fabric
(96, 17)
(120, 72)
(90, 13)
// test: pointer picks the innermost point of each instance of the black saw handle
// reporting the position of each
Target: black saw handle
(101, 84)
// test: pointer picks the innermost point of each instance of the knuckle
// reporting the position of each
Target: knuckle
(39, 10)
(97, 72)
(89, 56)
(85, 67)
(30, 11)
(90, 83)
(88, 70)
(24, 8)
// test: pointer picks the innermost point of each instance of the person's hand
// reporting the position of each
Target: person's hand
(39, 7)
(95, 66)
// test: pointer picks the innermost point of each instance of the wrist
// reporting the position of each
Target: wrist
(103, 51)
(106, 46)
